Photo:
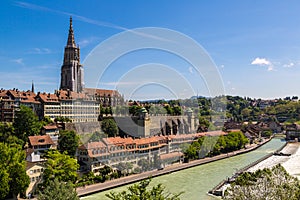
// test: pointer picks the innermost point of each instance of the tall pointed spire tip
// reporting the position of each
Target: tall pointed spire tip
(71, 40)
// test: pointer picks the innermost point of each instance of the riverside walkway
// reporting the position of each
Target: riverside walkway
(95, 188)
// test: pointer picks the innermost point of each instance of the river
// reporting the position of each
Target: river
(197, 181)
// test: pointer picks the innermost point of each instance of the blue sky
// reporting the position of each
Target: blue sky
(254, 44)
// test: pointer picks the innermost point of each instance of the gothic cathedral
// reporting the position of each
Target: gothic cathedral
(72, 71)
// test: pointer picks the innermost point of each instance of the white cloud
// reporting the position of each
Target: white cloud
(18, 61)
(263, 62)
(86, 41)
(291, 64)
(40, 51)
(260, 61)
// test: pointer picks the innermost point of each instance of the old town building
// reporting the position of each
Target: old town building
(111, 151)
(72, 100)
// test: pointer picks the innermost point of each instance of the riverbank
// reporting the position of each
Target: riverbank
(288, 156)
(289, 159)
(95, 188)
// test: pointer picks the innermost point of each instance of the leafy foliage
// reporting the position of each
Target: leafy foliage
(26, 123)
(7, 132)
(62, 119)
(14, 179)
(140, 191)
(109, 126)
(58, 191)
(68, 142)
(209, 146)
(105, 173)
(273, 183)
(61, 167)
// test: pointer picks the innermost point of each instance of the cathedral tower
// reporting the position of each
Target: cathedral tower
(72, 70)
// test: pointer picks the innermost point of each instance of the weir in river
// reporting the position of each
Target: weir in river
(197, 181)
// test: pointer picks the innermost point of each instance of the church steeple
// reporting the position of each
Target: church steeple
(32, 87)
(72, 70)
(71, 40)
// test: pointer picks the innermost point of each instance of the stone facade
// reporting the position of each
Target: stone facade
(72, 71)
(145, 125)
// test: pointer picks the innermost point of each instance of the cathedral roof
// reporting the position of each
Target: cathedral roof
(101, 92)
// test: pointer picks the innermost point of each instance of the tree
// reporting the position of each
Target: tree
(14, 179)
(273, 183)
(140, 191)
(246, 113)
(7, 134)
(4, 183)
(144, 164)
(109, 127)
(124, 168)
(62, 119)
(58, 191)
(26, 123)
(68, 142)
(60, 166)
(46, 120)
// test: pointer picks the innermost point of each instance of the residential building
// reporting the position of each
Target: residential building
(292, 132)
(40, 143)
(52, 130)
(72, 101)
(7, 107)
(34, 171)
(114, 150)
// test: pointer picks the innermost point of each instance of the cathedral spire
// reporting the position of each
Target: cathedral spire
(71, 40)
(32, 87)
(72, 70)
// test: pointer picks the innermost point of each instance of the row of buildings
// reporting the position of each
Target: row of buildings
(72, 100)
(78, 107)
(114, 150)
(94, 155)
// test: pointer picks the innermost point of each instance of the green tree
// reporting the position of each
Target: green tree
(58, 191)
(109, 127)
(68, 141)
(60, 166)
(62, 119)
(46, 120)
(273, 183)
(4, 183)
(7, 134)
(246, 113)
(13, 173)
(144, 164)
(140, 191)
(26, 123)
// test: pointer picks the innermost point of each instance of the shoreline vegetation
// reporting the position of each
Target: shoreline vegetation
(99, 187)
(286, 158)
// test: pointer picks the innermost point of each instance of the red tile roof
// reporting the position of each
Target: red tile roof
(40, 140)
(47, 97)
(92, 145)
(66, 95)
(101, 92)
(50, 127)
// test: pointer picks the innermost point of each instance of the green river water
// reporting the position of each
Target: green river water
(197, 181)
